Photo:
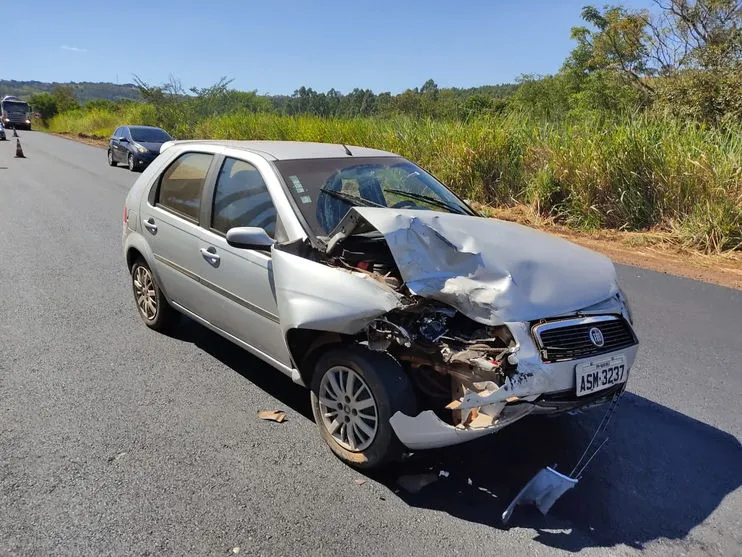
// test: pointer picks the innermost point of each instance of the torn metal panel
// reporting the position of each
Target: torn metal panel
(312, 295)
(428, 431)
(491, 271)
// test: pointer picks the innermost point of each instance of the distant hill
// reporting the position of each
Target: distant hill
(84, 91)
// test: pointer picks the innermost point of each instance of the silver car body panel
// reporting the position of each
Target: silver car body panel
(282, 150)
(314, 296)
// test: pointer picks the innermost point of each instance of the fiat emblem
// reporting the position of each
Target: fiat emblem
(596, 337)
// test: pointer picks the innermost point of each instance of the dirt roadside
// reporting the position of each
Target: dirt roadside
(649, 250)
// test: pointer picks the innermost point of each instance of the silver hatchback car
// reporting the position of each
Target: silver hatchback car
(414, 322)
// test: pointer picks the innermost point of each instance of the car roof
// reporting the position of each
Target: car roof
(142, 127)
(292, 150)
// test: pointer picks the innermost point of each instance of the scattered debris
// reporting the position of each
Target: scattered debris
(442, 474)
(116, 456)
(235, 550)
(468, 480)
(415, 482)
(272, 415)
(359, 481)
(487, 491)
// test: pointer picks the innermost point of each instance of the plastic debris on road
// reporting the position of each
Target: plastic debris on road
(543, 491)
(272, 415)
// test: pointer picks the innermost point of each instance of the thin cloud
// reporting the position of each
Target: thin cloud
(73, 48)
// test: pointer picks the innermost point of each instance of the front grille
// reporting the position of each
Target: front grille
(570, 339)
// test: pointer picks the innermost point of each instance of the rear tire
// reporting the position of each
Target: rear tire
(343, 407)
(111, 162)
(152, 306)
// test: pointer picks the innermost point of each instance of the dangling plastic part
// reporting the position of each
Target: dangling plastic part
(549, 485)
(543, 491)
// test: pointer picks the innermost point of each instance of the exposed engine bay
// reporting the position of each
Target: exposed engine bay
(446, 353)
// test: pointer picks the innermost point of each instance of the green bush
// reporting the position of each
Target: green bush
(587, 171)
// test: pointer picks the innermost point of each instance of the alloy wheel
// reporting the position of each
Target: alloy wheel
(144, 291)
(348, 408)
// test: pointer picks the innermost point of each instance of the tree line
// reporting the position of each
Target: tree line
(684, 58)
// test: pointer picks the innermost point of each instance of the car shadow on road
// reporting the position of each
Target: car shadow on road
(660, 475)
(248, 366)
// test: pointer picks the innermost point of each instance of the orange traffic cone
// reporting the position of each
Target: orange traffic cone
(15, 132)
(19, 150)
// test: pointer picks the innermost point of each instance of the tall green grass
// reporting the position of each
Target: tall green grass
(632, 173)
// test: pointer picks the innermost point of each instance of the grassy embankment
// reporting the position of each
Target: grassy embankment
(640, 173)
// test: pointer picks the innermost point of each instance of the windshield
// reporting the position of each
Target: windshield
(325, 189)
(149, 135)
(14, 107)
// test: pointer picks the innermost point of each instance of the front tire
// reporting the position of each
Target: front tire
(355, 391)
(152, 306)
(111, 162)
(130, 163)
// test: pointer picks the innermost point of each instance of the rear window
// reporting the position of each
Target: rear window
(181, 184)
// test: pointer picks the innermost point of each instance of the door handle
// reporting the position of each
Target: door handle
(150, 225)
(210, 255)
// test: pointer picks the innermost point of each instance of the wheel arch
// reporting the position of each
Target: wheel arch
(135, 248)
(307, 345)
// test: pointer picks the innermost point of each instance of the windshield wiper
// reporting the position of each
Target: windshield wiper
(351, 198)
(432, 200)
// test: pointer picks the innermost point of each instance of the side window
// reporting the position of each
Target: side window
(182, 182)
(242, 199)
(117, 132)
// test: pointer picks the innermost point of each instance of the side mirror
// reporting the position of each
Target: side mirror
(249, 237)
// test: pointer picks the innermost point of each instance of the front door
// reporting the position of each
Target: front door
(242, 277)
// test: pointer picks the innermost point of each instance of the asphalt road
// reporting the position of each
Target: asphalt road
(117, 440)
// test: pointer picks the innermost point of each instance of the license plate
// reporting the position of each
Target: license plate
(596, 376)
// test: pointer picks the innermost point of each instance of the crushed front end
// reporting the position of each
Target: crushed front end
(485, 317)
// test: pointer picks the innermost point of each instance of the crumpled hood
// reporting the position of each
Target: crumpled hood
(490, 270)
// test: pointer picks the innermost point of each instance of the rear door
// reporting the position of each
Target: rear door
(243, 278)
(170, 221)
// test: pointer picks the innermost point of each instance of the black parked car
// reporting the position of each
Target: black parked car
(137, 146)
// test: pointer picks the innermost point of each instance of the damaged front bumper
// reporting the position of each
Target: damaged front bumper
(536, 388)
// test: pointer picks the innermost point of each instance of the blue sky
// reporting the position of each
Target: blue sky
(275, 47)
